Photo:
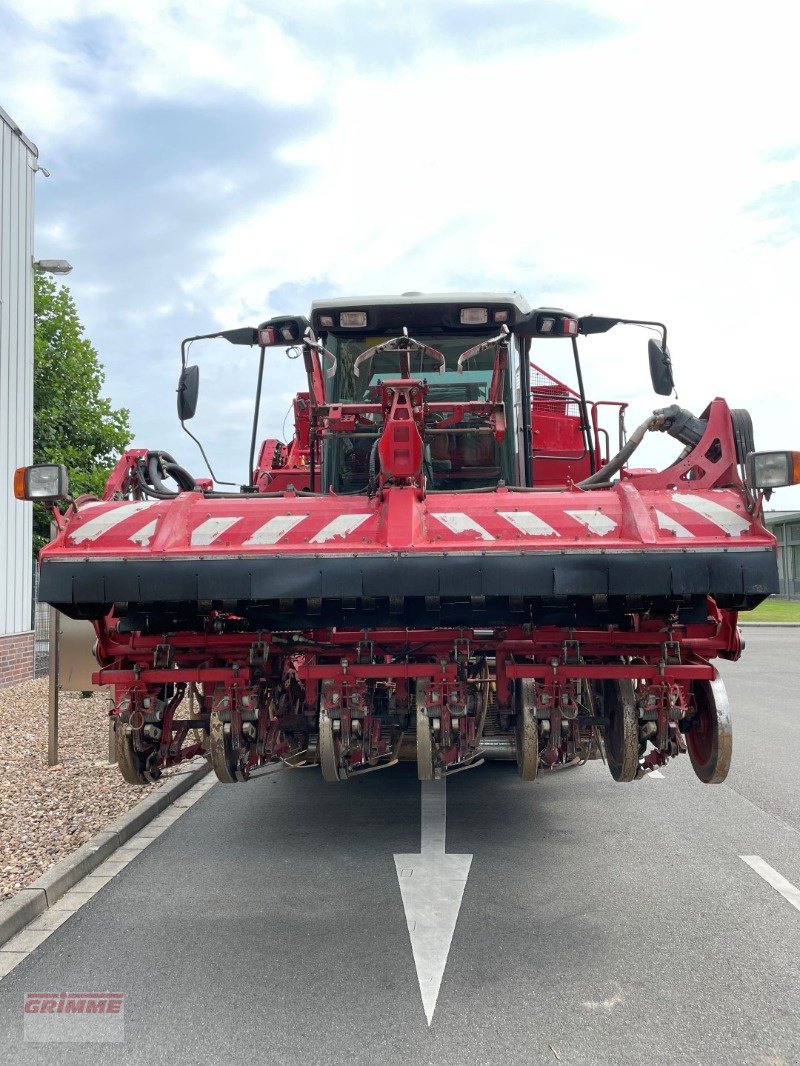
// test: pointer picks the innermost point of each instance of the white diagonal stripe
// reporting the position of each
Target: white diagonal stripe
(529, 523)
(595, 521)
(462, 523)
(277, 527)
(789, 892)
(208, 531)
(339, 527)
(665, 522)
(144, 535)
(729, 521)
(95, 527)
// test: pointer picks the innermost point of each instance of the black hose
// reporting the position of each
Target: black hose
(622, 456)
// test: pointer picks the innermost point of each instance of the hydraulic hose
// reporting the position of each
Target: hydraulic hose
(614, 465)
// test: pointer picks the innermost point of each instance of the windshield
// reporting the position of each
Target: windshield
(472, 384)
(459, 456)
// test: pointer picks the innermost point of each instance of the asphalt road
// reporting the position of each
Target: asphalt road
(601, 923)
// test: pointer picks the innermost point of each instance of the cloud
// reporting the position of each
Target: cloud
(217, 163)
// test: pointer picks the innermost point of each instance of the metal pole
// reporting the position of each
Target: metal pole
(52, 708)
(112, 747)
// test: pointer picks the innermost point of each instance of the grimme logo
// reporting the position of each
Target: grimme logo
(74, 1016)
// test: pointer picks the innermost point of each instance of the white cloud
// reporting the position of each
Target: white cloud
(647, 168)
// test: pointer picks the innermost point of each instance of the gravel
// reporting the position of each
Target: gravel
(47, 812)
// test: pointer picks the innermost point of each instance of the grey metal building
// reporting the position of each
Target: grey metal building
(18, 165)
(785, 526)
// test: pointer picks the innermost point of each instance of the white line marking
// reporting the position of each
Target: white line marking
(39, 929)
(529, 523)
(728, 520)
(462, 523)
(272, 531)
(665, 522)
(772, 877)
(656, 773)
(432, 886)
(595, 521)
(207, 532)
(145, 534)
(95, 527)
(339, 527)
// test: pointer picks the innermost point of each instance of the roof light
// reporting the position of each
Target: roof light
(474, 316)
(326, 321)
(288, 334)
(773, 470)
(353, 319)
(570, 326)
(546, 325)
(45, 482)
(500, 316)
(266, 336)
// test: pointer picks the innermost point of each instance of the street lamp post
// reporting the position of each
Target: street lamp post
(52, 266)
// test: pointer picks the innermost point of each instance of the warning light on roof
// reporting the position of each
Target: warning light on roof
(353, 319)
(474, 316)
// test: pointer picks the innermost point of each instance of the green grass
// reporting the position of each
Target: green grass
(773, 610)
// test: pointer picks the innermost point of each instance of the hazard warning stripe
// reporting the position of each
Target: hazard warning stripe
(723, 517)
(95, 527)
(210, 530)
(595, 521)
(339, 527)
(529, 523)
(457, 522)
(272, 531)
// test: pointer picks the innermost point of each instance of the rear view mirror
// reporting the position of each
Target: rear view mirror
(660, 368)
(188, 388)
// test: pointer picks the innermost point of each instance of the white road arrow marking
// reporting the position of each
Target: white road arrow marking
(432, 886)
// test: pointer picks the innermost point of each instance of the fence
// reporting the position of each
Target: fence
(41, 630)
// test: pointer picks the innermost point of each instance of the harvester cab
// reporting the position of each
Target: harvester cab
(450, 560)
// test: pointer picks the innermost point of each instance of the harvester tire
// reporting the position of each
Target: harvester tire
(131, 762)
(622, 729)
(526, 730)
(710, 741)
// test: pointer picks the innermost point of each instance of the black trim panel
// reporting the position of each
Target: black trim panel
(162, 581)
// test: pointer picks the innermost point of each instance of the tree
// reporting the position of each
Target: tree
(72, 423)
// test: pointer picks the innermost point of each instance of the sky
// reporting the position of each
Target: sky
(216, 163)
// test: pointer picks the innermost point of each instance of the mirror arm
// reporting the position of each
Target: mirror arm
(589, 444)
(255, 417)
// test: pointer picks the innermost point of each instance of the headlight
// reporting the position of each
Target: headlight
(773, 470)
(45, 482)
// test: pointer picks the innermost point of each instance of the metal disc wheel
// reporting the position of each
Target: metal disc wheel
(527, 730)
(223, 758)
(424, 739)
(132, 763)
(710, 741)
(328, 756)
(621, 736)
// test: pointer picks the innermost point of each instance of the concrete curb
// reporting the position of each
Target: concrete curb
(32, 901)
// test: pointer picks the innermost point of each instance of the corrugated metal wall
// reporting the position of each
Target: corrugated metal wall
(17, 168)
